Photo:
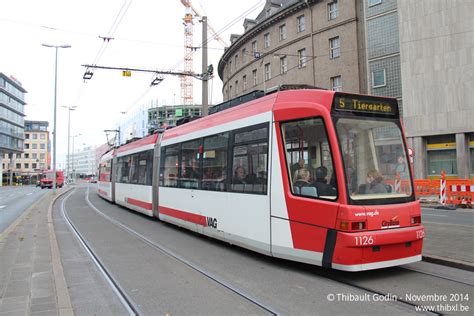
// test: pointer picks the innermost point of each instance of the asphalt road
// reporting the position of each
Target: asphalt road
(14, 201)
(159, 284)
(452, 217)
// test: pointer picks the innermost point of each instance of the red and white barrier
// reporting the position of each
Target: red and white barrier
(442, 189)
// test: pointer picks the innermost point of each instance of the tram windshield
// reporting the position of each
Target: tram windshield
(374, 158)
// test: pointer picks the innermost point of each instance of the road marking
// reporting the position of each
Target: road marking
(3, 206)
(434, 215)
(29, 193)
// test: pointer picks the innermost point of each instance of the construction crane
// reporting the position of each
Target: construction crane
(187, 81)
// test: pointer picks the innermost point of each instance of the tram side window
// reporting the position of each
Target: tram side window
(123, 170)
(309, 159)
(133, 163)
(250, 160)
(169, 166)
(190, 169)
(215, 162)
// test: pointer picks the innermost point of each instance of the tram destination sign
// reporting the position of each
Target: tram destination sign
(365, 104)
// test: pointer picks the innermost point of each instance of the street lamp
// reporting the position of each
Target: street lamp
(73, 172)
(55, 97)
(70, 108)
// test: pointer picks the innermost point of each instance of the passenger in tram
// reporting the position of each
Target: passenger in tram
(240, 176)
(303, 178)
(324, 189)
(375, 183)
(401, 168)
(296, 168)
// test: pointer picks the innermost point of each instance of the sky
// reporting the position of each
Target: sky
(146, 34)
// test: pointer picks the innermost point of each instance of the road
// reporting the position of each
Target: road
(159, 283)
(453, 217)
(14, 201)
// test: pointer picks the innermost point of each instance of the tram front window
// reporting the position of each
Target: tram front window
(374, 158)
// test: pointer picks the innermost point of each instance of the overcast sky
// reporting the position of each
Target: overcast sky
(147, 34)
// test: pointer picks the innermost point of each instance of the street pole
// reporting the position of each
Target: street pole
(56, 47)
(205, 89)
(70, 108)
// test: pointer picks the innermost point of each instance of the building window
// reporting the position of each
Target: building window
(42, 165)
(235, 60)
(374, 2)
(42, 156)
(333, 10)
(283, 64)
(27, 146)
(336, 83)
(27, 156)
(34, 165)
(282, 32)
(244, 82)
(18, 165)
(236, 86)
(300, 23)
(34, 156)
(378, 78)
(27, 165)
(230, 91)
(34, 146)
(42, 146)
(42, 136)
(254, 48)
(266, 40)
(34, 136)
(254, 75)
(334, 47)
(27, 136)
(302, 58)
(268, 71)
(244, 54)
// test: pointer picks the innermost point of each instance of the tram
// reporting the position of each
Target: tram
(308, 175)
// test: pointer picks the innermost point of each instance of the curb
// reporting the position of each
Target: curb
(62, 292)
(458, 264)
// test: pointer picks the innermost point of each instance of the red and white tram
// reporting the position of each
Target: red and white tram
(309, 175)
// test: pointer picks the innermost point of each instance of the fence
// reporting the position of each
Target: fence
(458, 191)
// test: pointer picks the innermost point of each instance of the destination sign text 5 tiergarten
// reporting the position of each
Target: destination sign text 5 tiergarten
(352, 104)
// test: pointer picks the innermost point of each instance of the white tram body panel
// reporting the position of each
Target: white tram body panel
(238, 218)
(137, 197)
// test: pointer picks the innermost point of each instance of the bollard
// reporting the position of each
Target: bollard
(442, 188)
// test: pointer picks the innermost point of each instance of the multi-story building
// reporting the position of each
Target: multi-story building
(315, 42)
(36, 156)
(12, 102)
(437, 58)
(83, 163)
(169, 114)
(375, 47)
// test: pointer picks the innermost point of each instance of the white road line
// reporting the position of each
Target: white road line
(29, 193)
(2, 206)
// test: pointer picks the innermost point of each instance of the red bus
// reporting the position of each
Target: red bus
(306, 175)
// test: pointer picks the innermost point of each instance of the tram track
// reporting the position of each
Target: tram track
(323, 273)
(127, 301)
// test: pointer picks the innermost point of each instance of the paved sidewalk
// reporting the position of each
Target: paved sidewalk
(27, 280)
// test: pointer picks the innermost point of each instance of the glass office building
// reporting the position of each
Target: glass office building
(12, 96)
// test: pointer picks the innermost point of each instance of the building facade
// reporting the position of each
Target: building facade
(167, 115)
(318, 43)
(437, 65)
(83, 163)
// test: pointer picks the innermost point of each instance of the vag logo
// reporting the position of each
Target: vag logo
(211, 222)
